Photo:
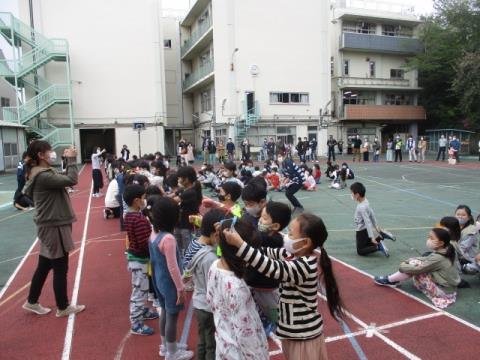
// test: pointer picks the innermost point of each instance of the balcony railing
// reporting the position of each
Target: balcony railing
(380, 43)
(196, 35)
(205, 70)
(374, 82)
(384, 112)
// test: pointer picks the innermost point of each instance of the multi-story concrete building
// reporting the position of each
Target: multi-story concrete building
(255, 69)
(373, 93)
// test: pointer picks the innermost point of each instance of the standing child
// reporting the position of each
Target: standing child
(435, 275)
(200, 255)
(138, 229)
(167, 278)
(239, 334)
(369, 236)
(299, 268)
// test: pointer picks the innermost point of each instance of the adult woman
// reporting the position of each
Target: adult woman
(54, 217)
(390, 150)
(96, 172)
(365, 149)
(190, 155)
(245, 150)
(422, 148)
(221, 151)
(467, 247)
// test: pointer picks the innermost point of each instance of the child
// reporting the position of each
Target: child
(366, 225)
(228, 195)
(435, 275)
(167, 278)
(474, 267)
(138, 230)
(274, 180)
(112, 204)
(310, 183)
(189, 197)
(317, 173)
(254, 196)
(229, 173)
(239, 333)
(275, 217)
(298, 268)
(467, 246)
(339, 178)
(200, 255)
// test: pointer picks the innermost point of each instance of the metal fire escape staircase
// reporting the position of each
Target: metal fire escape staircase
(35, 51)
(248, 119)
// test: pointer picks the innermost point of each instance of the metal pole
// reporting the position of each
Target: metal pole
(70, 105)
(15, 69)
(139, 146)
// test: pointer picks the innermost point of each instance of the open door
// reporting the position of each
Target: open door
(250, 102)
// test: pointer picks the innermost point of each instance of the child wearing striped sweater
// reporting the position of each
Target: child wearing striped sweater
(299, 269)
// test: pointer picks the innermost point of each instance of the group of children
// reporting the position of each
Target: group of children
(452, 250)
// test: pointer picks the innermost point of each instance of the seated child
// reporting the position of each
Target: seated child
(239, 333)
(339, 179)
(435, 275)
(166, 273)
(317, 173)
(274, 180)
(200, 255)
(310, 184)
(112, 205)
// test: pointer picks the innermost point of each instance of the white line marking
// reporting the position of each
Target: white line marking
(121, 346)
(11, 259)
(67, 345)
(460, 320)
(10, 279)
(393, 229)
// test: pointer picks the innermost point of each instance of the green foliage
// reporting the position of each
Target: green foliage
(447, 70)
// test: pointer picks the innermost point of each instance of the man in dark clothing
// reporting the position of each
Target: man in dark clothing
(230, 149)
(331, 143)
(271, 149)
(125, 153)
(356, 143)
(313, 146)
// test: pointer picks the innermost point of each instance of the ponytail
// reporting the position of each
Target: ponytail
(450, 254)
(31, 160)
(334, 301)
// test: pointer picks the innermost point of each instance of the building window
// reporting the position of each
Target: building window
(332, 66)
(205, 58)
(10, 149)
(359, 98)
(360, 27)
(167, 44)
(220, 135)
(203, 17)
(5, 102)
(206, 101)
(289, 98)
(397, 99)
(371, 68)
(397, 30)
(397, 73)
(346, 67)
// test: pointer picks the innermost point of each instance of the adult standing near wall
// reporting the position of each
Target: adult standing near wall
(422, 149)
(212, 151)
(331, 143)
(376, 150)
(53, 217)
(230, 149)
(270, 149)
(221, 152)
(96, 171)
(442, 147)
(280, 149)
(456, 145)
(356, 143)
(365, 149)
(397, 144)
(412, 148)
(390, 150)
(245, 149)
(125, 152)
(205, 144)
(264, 153)
(313, 146)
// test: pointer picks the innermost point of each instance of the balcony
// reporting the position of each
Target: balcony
(380, 43)
(198, 39)
(199, 78)
(368, 83)
(384, 112)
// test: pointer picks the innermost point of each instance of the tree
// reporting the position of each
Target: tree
(451, 39)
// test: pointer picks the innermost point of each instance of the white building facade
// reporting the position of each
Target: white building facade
(373, 92)
(256, 69)
(116, 70)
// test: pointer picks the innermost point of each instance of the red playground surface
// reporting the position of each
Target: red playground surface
(381, 323)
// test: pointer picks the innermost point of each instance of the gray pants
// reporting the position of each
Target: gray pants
(206, 335)
(268, 302)
(138, 299)
(183, 237)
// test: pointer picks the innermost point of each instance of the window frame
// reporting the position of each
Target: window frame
(286, 98)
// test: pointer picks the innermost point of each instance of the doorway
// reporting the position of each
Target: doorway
(89, 138)
(250, 102)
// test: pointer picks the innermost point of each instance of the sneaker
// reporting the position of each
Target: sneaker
(36, 308)
(382, 248)
(141, 329)
(383, 281)
(467, 269)
(149, 314)
(99, 194)
(163, 348)
(388, 235)
(180, 355)
(105, 214)
(95, 195)
(71, 309)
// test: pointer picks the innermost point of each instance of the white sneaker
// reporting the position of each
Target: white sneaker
(180, 355)
(95, 195)
(71, 309)
(163, 348)
(36, 308)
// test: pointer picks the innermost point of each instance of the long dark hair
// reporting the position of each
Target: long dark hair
(444, 236)
(453, 226)
(35, 147)
(189, 173)
(313, 227)
(469, 213)
(248, 233)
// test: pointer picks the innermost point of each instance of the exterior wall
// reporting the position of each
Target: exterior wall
(12, 145)
(116, 59)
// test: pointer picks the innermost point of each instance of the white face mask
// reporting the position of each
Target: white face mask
(52, 157)
(353, 197)
(263, 227)
(254, 210)
(288, 244)
(431, 244)
(144, 204)
(477, 225)
(462, 220)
